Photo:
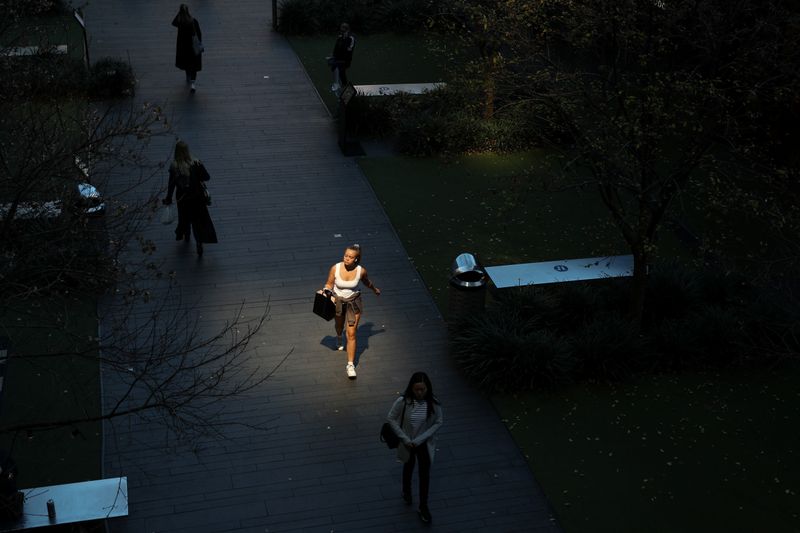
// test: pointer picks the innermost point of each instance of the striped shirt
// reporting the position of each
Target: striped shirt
(419, 412)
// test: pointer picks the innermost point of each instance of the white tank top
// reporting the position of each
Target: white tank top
(343, 288)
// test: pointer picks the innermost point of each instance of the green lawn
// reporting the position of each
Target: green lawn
(692, 453)
(482, 204)
(49, 30)
(378, 58)
(698, 452)
(46, 381)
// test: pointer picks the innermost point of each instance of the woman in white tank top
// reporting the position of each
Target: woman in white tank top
(342, 284)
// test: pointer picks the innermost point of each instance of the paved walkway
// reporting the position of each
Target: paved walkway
(277, 177)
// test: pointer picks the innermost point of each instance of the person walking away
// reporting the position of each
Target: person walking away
(342, 57)
(186, 179)
(415, 417)
(185, 57)
(342, 282)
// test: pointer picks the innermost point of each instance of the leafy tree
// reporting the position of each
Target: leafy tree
(652, 100)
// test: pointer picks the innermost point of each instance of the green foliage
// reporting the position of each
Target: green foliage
(443, 121)
(309, 17)
(428, 134)
(111, 78)
(503, 351)
(609, 348)
(696, 320)
(42, 76)
(296, 17)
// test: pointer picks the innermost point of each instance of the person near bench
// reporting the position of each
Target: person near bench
(342, 57)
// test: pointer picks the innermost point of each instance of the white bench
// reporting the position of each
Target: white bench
(74, 502)
(388, 89)
(591, 268)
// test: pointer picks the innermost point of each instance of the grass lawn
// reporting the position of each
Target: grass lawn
(692, 453)
(479, 204)
(688, 453)
(46, 381)
(45, 31)
(378, 58)
(700, 452)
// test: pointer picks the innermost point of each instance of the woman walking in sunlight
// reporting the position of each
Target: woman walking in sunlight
(343, 280)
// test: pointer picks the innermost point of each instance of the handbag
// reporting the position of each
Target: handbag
(197, 45)
(202, 176)
(388, 435)
(324, 306)
(167, 215)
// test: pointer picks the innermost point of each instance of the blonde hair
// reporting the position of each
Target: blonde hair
(183, 158)
(356, 248)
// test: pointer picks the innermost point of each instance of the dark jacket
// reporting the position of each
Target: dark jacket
(185, 59)
(191, 201)
(343, 49)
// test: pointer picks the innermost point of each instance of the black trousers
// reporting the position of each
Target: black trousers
(418, 454)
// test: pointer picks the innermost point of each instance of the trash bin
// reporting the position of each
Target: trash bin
(467, 288)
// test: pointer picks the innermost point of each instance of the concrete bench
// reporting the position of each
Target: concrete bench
(389, 89)
(591, 268)
(74, 502)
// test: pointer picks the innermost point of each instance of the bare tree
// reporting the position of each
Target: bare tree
(61, 252)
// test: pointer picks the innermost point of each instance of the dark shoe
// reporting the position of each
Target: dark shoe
(199, 249)
(178, 236)
(407, 497)
(425, 514)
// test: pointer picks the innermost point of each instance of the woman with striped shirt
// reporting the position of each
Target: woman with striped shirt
(416, 417)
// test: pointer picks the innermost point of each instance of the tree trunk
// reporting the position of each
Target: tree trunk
(639, 286)
(488, 103)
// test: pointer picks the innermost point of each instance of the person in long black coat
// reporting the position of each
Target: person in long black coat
(185, 58)
(186, 177)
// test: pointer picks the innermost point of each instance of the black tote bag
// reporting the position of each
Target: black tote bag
(324, 306)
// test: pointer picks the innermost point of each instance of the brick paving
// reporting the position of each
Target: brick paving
(277, 178)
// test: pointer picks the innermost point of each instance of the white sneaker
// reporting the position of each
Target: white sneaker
(351, 371)
(335, 87)
(193, 89)
(339, 342)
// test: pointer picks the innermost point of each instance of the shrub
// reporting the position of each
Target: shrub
(532, 303)
(111, 78)
(674, 347)
(502, 352)
(576, 304)
(428, 134)
(371, 117)
(719, 336)
(672, 292)
(536, 336)
(42, 75)
(308, 17)
(772, 322)
(297, 17)
(609, 348)
(710, 337)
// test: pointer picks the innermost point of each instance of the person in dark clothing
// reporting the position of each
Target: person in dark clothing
(186, 177)
(342, 57)
(185, 57)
